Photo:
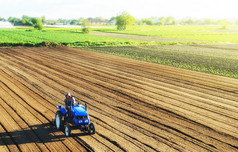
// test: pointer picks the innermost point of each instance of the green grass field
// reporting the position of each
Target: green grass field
(209, 34)
(69, 37)
(74, 37)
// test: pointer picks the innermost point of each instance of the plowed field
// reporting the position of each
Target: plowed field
(136, 106)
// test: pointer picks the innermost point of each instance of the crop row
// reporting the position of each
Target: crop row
(220, 65)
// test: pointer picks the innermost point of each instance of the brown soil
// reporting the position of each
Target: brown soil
(136, 106)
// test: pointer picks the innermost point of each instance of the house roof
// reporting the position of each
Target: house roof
(4, 24)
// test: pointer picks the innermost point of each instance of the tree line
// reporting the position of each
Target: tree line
(122, 21)
(36, 22)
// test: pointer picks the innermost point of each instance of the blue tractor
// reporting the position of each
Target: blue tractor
(76, 117)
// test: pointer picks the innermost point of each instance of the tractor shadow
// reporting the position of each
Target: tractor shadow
(42, 133)
(75, 132)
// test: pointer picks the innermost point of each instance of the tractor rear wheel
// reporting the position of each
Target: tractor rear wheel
(58, 120)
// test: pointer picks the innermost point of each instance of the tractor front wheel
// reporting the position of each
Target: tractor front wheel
(92, 129)
(67, 130)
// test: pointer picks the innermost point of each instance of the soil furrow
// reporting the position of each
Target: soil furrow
(136, 106)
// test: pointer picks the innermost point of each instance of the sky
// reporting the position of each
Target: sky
(72, 9)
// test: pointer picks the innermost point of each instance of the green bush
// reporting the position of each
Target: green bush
(86, 30)
(123, 20)
(49, 44)
(39, 25)
(28, 30)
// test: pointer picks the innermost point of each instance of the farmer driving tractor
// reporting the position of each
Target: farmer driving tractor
(73, 115)
(69, 101)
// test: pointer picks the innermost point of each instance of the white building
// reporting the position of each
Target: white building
(5, 24)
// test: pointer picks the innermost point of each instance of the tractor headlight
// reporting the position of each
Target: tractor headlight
(80, 121)
(85, 121)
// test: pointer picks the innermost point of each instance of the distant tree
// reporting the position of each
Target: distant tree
(190, 21)
(161, 21)
(86, 24)
(26, 17)
(139, 22)
(208, 21)
(123, 20)
(90, 19)
(10, 19)
(147, 21)
(80, 21)
(43, 19)
(51, 22)
(38, 25)
(63, 21)
(34, 20)
(174, 22)
(169, 20)
(99, 19)
(23, 21)
(2, 19)
(155, 20)
(14, 20)
(74, 22)
(26, 21)
(112, 19)
(224, 23)
(106, 20)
